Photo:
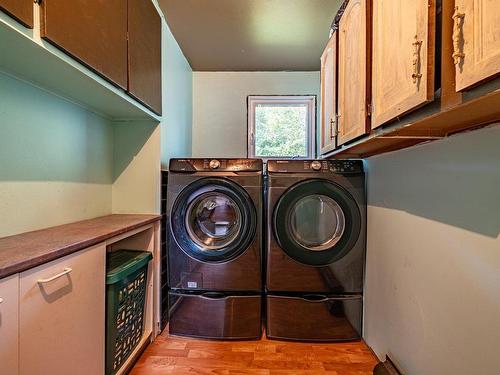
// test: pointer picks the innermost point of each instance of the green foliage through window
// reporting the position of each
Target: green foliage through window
(281, 130)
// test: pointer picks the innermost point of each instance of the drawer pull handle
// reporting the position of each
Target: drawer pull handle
(213, 295)
(65, 272)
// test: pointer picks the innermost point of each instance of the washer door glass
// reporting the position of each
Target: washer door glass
(317, 222)
(213, 221)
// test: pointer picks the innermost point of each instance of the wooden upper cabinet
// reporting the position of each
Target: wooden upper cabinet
(403, 57)
(354, 73)
(329, 96)
(144, 53)
(21, 10)
(476, 41)
(94, 32)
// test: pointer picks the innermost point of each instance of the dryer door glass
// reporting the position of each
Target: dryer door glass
(317, 222)
(213, 220)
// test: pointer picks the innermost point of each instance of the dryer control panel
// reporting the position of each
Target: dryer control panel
(341, 166)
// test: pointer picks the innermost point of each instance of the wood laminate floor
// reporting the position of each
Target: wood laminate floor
(177, 355)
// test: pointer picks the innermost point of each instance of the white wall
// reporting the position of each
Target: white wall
(220, 106)
(433, 258)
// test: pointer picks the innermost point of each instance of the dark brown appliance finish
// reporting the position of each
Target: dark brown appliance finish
(94, 33)
(285, 274)
(215, 250)
(163, 253)
(314, 318)
(215, 315)
(144, 54)
(21, 10)
(243, 273)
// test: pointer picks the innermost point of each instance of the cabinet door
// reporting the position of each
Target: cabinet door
(403, 57)
(9, 328)
(62, 315)
(329, 96)
(94, 32)
(476, 41)
(353, 71)
(144, 53)
(21, 10)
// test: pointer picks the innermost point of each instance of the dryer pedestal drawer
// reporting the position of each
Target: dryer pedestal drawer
(314, 317)
(215, 315)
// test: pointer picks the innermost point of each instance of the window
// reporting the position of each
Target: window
(281, 126)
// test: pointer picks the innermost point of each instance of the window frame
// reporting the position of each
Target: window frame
(309, 100)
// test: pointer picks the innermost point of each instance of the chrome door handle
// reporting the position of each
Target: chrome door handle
(65, 272)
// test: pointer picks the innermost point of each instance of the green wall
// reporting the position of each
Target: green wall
(56, 159)
(177, 75)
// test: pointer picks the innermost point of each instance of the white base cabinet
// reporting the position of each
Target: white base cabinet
(9, 344)
(62, 315)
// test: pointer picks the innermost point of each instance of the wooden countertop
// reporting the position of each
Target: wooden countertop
(27, 250)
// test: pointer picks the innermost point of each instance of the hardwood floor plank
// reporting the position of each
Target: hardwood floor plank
(178, 355)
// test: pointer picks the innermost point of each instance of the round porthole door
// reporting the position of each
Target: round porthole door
(316, 222)
(213, 220)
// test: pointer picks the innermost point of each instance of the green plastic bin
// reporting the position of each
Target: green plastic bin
(126, 282)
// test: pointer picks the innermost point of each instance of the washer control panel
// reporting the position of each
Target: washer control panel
(215, 165)
(340, 166)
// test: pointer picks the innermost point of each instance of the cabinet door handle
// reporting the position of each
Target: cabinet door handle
(417, 46)
(458, 19)
(332, 125)
(65, 272)
(334, 131)
(1, 299)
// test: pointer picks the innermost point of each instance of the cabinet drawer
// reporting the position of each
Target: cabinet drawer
(9, 303)
(62, 315)
(306, 318)
(230, 317)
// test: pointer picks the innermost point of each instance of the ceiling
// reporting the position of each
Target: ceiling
(251, 35)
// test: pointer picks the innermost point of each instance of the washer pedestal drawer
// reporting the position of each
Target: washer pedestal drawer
(314, 317)
(215, 315)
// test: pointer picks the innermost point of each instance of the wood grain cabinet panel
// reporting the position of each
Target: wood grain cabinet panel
(403, 57)
(62, 315)
(144, 53)
(9, 328)
(21, 10)
(329, 96)
(354, 73)
(93, 32)
(476, 41)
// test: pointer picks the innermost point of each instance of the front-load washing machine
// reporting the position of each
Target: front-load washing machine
(316, 244)
(214, 247)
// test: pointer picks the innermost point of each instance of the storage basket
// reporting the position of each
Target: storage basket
(126, 285)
